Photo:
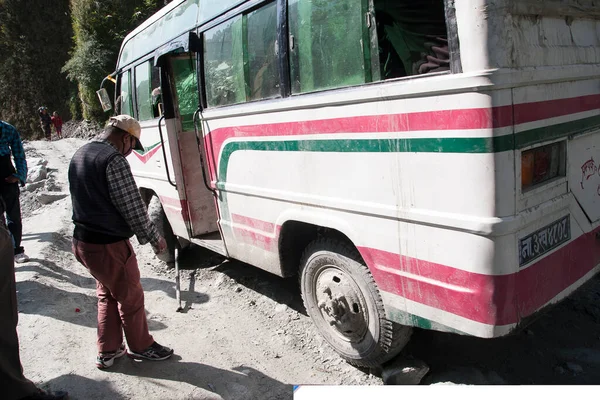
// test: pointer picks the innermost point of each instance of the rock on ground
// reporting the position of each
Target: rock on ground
(404, 371)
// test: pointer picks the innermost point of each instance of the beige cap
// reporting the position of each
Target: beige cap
(129, 125)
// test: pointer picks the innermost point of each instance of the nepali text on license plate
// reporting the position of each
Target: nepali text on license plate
(543, 240)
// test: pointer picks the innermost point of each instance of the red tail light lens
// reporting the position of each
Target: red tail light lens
(542, 164)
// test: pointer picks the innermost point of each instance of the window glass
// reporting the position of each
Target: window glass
(224, 64)
(148, 92)
(156, 93)
(186, 87)
(263, 70)
(327, 44)
(211, 8)
(126, 103)
(142, 91)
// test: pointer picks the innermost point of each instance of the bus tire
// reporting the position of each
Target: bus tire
(344, 303)
(158, 217)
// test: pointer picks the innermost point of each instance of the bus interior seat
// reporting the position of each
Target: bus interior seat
(413, 38)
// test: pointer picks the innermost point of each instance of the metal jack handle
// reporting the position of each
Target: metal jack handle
(177, 281)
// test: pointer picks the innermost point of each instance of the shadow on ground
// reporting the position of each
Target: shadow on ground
(51, 270)
(239, 383)
(561, 347)
(72, 307)
(281, 290)
(57, 239)
(81, 388)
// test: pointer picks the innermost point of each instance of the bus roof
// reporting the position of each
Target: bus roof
(170, 22)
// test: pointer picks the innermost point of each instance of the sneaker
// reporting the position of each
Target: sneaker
(155, 352)
(21, 258)
(106, 360)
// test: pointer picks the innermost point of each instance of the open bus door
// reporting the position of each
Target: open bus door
(183, 86)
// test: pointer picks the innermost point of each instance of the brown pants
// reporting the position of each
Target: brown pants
(120, 294)
(12, 382)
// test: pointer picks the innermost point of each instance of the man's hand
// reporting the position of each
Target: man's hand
(161, 247)
(11, 179)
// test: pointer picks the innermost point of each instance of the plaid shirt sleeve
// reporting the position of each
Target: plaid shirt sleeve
(127, 199)
(18, 153)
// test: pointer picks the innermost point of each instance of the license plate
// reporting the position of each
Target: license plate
(543, 240)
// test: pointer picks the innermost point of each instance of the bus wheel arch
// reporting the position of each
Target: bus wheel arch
(321, 255)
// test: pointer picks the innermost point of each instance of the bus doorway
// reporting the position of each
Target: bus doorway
(200, 200)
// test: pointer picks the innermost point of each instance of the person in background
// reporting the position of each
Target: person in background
(107, 210)
(45, 122)
(10, 178)
(12, 381)
(57, 122)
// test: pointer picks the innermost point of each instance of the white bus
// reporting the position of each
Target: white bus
(428, 163)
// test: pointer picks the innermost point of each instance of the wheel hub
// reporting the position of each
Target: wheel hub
(341, 303)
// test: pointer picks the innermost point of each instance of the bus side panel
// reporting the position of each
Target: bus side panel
(397, 178)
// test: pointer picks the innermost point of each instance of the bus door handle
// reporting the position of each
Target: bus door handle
(201, 146)
(162, 142)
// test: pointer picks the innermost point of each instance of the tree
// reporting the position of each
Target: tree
(99, 29)
(34, 43)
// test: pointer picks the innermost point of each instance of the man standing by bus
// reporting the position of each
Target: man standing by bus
(107, 210)
(11, 176)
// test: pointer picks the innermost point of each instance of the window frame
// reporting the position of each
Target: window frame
(129, 71)
(134, 68)
(283, 38)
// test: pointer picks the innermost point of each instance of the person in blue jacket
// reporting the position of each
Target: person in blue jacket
(11, 176)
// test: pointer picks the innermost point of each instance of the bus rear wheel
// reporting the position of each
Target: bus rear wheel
(342, 299)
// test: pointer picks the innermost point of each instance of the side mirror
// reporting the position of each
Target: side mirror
(104, 99)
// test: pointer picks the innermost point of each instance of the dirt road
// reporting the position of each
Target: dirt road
(243, 333)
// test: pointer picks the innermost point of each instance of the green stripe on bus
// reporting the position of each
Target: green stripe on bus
(416, 145)
(533, 136)
(412, 145)
(147, 149)
(405, 318)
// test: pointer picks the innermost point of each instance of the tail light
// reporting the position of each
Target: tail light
(542, 164)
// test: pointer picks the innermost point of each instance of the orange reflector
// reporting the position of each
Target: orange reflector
(542, 164)
(527, 169)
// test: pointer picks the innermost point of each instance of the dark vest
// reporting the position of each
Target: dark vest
(96, 219)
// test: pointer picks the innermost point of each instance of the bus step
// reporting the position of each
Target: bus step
(211, 241)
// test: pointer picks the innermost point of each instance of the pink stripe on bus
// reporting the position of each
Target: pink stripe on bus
(489, 299)
(531, 112)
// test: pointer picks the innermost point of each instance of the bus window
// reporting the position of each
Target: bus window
(224, 64)
(412, 37)
(125, 97)
(263, 72)
(147, 83)
(241, 60)
(326, 44)
(186, 87)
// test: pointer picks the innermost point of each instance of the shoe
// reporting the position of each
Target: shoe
(106, 360)
(21, 258)
(155, 352)
(41, 395)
